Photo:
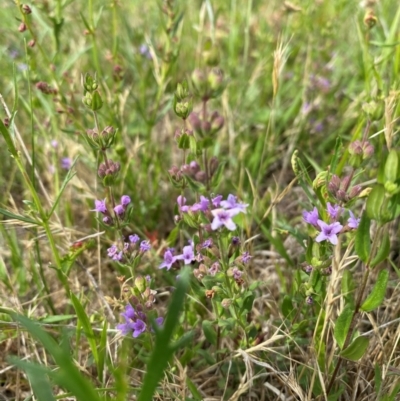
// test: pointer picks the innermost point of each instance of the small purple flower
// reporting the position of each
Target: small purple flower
(207, 243)
(187, 255)
(232, 204)
(118, 256)
(223, 217)
(112, 251)
(119, 210)
(333, 210)
(125, 328)
(139, 326)
(148, 278)
(246, 257)
(216, 201)
(202, 205)
(145, 246)
(353, 222)
(329, 232)
(160, 320)
(169, 260)
(100, 206)
(125, 200)
(181, 200)
(237, 274)
(54, 143)
(66, 163)
(134, 238)
(309, 300)
(311, 217)
(214, 269)
(129, 313)
(107, 220)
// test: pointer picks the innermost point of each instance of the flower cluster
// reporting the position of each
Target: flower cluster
(129, 250)
(135, 321)
(119, 210)
(329, 231)
(221, 210)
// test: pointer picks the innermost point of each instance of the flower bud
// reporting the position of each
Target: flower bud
(22, 27)
(31, 43)
(213, 165)
(370, 19)
(200, 176)
(199, 82)
(140, 283)
(334, 184)
(217, 124)
(210, 294)
(215, 79)
(355, 191)
(26, 9)
(226, 303)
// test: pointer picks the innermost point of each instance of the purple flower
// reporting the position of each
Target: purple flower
(160, 320)
(134, 238)
(100, 206)
(148, 278)
(66, 163)
(145, 246)
(181, 200)
(54, 143)
(125, 200)
(119, 210)
(237, 274)
(139, 326)
(333, 210)
(311, 217)
(129, 312)
(207, 243)
(246, 257)
(202, 205)
(187, 255)
(214, 269)
(231, 203)
(125, 328)
(169, 260)
(328, 232)
(107, 220)
(353, 221)
(223, 217)
(112, 251)
(118, 256)
(217, 200)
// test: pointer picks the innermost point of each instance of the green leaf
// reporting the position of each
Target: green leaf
(335, 157)
(391, 166)
(383, 250)
(67, 376)
(193, 389)
(19, 217)
(377, 295)
(38, 378)
(356, 349)
(378, 378)
(67, 179)
(209, 332)
(374, 202)
(287, 306)
(163, 350)
(86, 325)
(342, 325)
(362, 240)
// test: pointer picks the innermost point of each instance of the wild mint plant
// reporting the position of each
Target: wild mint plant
(339, 231)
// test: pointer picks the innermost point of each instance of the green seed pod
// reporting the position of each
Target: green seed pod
(375, 201)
